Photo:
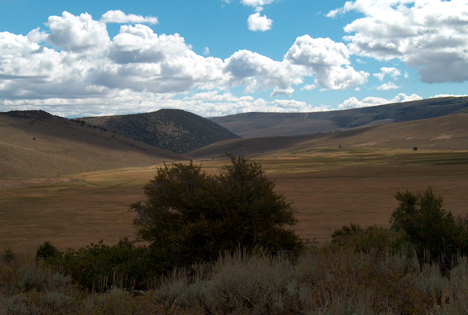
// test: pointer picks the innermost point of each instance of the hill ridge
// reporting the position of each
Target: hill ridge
(441, 133)
(172, 129)
(264, 124)
(38, 144)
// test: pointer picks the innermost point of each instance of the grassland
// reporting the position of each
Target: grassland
(330, 187)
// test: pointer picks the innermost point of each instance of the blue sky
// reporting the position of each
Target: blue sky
(221, 57)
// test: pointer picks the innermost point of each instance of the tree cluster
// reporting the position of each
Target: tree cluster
(191, 216)
(436, 234)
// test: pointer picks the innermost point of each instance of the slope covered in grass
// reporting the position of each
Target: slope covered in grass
(175, 130)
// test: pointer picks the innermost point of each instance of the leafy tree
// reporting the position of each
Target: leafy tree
(433, 231)
(190, 216)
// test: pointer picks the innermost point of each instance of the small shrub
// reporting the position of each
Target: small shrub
(56, 302)
(18, 304)
(47, 250)
(8, 255)
(98, 266)
(58, 281)
(32, 277)
(371, 239)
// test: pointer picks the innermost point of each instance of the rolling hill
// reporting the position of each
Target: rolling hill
(37, 144)
(442, 133)
(175, 130)
(250, 125)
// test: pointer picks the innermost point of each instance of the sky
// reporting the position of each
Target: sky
(221, 57)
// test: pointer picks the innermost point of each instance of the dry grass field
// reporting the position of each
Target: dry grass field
(330, 187)
(333, 179)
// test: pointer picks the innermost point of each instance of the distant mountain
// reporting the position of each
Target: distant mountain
(175, 130)
(38, 144)
(448, 132)
(289, 124)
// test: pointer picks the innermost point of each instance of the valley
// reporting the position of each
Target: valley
(329, 188)
(71, 183)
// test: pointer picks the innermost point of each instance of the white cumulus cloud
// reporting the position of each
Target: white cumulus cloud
(328, 60)
(353, 102)
(117, 16)
(77, 33)
(257, 4)
(387, 86)
(429, 35)
(85, 72)
(257, 22)
(258, 72)
(393, 72)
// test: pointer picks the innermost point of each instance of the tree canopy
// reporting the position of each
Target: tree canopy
(435, 233)
(191, 216)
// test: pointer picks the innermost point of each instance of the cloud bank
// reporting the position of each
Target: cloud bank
(77, 64)
(428, 35)
(74, 68)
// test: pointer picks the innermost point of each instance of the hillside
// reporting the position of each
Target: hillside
(175, 130)
(250, 125)
(37, 144)
(442, 133)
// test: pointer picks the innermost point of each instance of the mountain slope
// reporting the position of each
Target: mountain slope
(37, 144)
(175, 130)
(289, 124)
(442, 133)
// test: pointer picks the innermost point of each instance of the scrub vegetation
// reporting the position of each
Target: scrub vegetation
(184, 266)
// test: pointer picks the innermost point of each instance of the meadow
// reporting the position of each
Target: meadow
(329, 187)
(357, 273)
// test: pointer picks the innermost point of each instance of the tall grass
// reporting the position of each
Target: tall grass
(329, 280)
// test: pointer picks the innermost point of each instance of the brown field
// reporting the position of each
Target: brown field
(330, 187)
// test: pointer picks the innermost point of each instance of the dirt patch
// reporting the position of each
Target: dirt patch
(442, 137)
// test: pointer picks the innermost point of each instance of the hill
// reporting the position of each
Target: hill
(250, 125)
(175, 130)
(444, 133)
(37, 144)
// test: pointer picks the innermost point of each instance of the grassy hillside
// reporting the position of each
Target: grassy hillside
(288, 124)
(37, 144)
(447, 133)
(175, 130)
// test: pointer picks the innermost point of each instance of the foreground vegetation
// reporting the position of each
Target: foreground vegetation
(417, 266)
(330, 280)
(373, 270)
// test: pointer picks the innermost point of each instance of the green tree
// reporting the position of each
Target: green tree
(190, 216)
(434, 232)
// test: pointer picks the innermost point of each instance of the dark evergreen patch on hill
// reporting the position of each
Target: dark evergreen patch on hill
(175, 130)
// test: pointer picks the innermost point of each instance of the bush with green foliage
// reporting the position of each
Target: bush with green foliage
(190, 216)
(433, 231)
(371, 239)
(47, 251)
(98, 267)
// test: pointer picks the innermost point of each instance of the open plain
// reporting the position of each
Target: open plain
(329, 187)
(73, 185)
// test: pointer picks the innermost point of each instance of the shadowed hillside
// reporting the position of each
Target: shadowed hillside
(37, 144)
(446, 133)
(289, 124)
(175, 130)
